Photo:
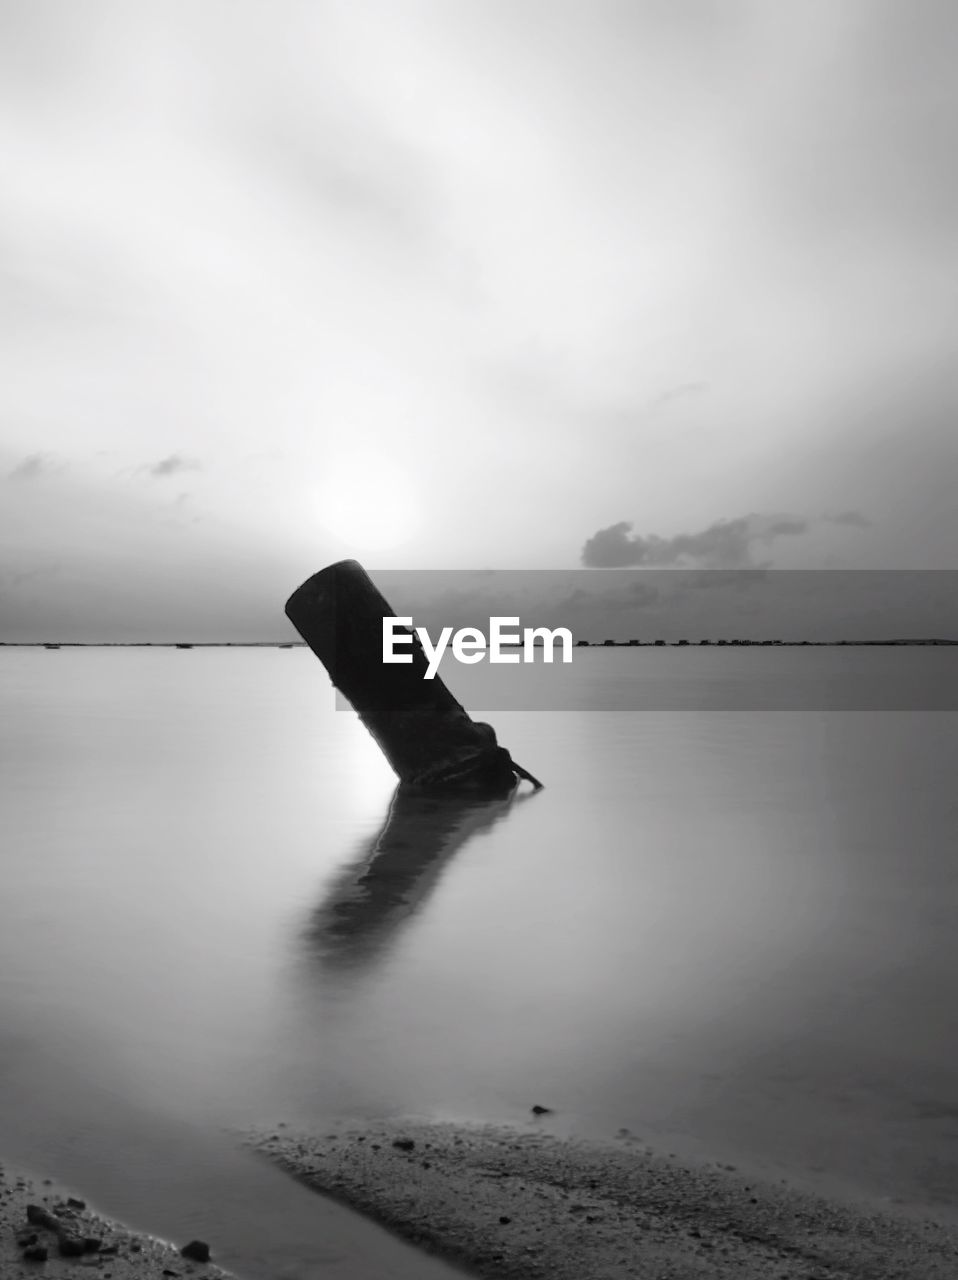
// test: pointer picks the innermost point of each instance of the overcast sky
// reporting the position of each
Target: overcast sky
(466, 283)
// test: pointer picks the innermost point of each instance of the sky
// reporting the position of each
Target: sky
(466, 284)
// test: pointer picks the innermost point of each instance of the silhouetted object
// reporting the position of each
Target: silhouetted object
(196, 1251)
(396, 870)
(424, 733)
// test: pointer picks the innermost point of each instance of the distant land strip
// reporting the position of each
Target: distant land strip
(579, 644)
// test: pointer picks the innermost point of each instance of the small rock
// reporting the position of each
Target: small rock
(541, 1111)
(404, 1144)
(196, 1251)
(91, 1244)
(41, 1217)
(504, 1220)
(36, 1253)
(76, 1204)
(69, 1246)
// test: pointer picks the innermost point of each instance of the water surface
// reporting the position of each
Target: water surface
(731, 932)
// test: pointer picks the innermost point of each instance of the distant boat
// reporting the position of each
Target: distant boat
(184, 646)
(51, 646)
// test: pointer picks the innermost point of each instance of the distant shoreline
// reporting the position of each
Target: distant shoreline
(579, 644)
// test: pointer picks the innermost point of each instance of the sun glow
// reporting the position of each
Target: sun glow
(368, 503)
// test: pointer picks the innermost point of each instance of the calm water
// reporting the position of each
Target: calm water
(732, 932)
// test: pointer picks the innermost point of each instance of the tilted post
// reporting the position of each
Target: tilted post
(425, 734)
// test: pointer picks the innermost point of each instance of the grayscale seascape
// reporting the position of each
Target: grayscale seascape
(729, 932)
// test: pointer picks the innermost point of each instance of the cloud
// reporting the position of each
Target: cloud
(854, 519)
(727, 544)
(32, 467)
(172, 466)
(679, 392)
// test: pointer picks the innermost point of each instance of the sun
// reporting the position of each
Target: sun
(368, 503)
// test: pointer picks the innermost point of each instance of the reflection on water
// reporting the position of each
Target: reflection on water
(393, 873)
(734, 930)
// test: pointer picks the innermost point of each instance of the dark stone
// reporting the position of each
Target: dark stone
(541, 1111)
(196, 1251)
(503, 1219)
(76, 1204)
(91, 1244)
(40, 1217)
(404, 1144)
(36, 1253)
(69, 1246)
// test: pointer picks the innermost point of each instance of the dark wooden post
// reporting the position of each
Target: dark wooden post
(425, 734)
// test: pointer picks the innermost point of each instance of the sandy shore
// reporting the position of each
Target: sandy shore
(517, 1205)
(77, 1242)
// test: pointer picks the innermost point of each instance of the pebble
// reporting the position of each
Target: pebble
(196, 1251)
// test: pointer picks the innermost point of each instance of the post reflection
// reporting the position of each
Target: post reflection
(393, 874)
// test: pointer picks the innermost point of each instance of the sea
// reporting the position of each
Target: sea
(725, 927)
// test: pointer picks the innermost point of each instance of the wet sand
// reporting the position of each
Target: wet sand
(292, 1236)
(510, 1204)
(66, 1240)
